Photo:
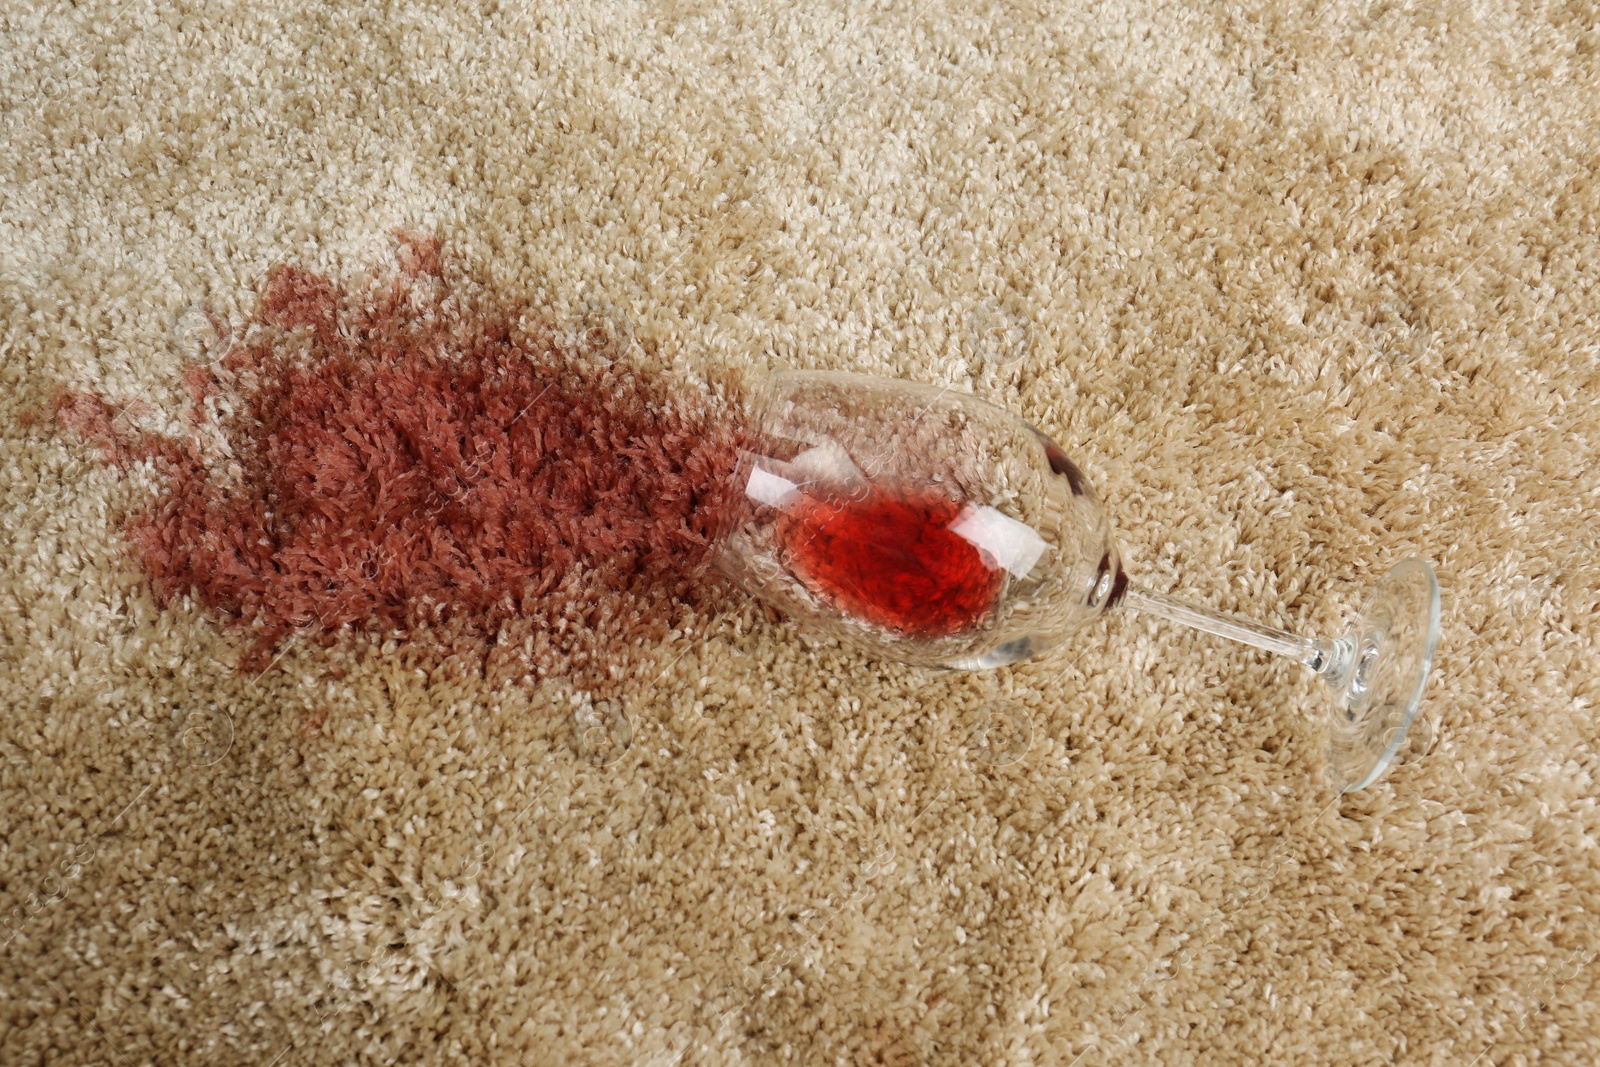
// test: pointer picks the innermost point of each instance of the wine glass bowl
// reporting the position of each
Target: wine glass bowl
(926, 525)
(919, 523)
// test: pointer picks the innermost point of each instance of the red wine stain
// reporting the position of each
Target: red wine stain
(889, 558)
(313, 724)
(405, 458)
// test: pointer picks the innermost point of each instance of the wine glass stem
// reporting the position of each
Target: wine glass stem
(1331, 659)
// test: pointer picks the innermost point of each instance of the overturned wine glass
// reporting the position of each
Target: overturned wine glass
(929, 526)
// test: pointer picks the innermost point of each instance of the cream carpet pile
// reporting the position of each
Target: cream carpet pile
(1305, 288)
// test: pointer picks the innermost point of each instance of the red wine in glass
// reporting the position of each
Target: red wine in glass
(894, 559)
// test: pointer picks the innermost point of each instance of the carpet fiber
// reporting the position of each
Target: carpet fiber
(1304, 289)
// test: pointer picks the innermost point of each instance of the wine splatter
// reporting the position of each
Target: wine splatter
(890, 557)
(408, 456)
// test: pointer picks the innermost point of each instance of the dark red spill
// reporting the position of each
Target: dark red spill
(890, 559)
(403, 455)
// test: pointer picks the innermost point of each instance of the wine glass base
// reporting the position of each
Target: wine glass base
(1382, 666)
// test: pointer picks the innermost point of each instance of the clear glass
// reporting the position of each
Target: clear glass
(926, 525)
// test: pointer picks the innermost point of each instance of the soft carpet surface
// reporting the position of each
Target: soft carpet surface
(1305, 288)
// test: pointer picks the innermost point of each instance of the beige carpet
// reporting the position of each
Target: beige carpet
(1308, 288)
